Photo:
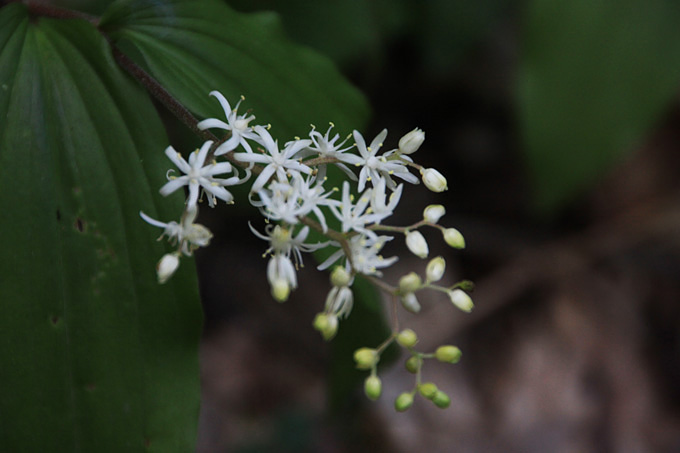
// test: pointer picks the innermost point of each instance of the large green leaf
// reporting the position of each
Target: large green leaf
(594, 76)
(195, 46)
(95, 355)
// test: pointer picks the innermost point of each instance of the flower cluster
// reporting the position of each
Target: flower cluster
(288, 185)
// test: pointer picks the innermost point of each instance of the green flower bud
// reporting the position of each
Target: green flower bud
(428, 390)
(435, 269)
(454, 238)
(461, 300)
(407, 338)
(280, 289)
(448, 354)
(441, 400)
(410, 282)
(327, 325)
(413, 364)
(373, 387)
(340, 277)
(366, 358)
(403, 402)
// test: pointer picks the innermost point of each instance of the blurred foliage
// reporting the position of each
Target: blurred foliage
(594, 78)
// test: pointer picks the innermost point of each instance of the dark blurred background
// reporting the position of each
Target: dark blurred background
(556, 124)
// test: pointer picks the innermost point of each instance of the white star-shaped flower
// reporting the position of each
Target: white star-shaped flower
(379, 167)
(236, 124)
(198, 175)
(277, 162)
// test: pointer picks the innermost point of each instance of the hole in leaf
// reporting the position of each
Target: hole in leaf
(55, 320)
(58, 215)
(79, 224)
(91, 387)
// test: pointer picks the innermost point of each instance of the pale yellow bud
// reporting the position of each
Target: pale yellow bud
(410, 302)
(454, 238)
(410, 142)
(410, 282)
(417, 244)
(461, 300)
(435, 269)
(280, 289)
(373, 387)
(433, 213)
(366, 358)
(166, 267)
(407, 338)
(434, 180)
(340, 276)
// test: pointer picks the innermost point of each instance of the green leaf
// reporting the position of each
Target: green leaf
(95, 355)
(594, 78)
(194, 47)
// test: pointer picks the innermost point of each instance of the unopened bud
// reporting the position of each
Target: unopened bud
(366, 358)
(461, 300)
(410, 142)
(441, 400)
(448, 354)
(410, 282)
(410, 302)
(403, 402)
(280, 289)
(433, 213)
(417, 244)
(407, 338)
(413, 364)
(435, 269)
(327, 325)
(340, 276)
(454, 238)
(434, 180)
(428, 390)
(373, 387)
(166, 267)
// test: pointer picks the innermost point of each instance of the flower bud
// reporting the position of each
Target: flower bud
(340, 276)
(403, 402)
(327, 325)
(448, 354)
(417, 244)
(413, 364)
(428, 390)
(407, 338)
(441, 400)
(166, 267)
(435, 269)
(454, 238)
(373, 387)
(410, 282)
(410, 302)
(280, 289)
(433, 213)
(410, 142)
(461, 300)
(366, 358)
(434, 180)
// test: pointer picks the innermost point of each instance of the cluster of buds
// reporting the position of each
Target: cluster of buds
(288, 185)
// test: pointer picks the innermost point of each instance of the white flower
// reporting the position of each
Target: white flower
(433, 213)
(434, 180)
(237, 124)
(461, 300)
(379, 208)
(188, 234)
(275, 161)
(454, 238)
(339, 301)
(435, 269)
(198, 175)
(410, 142)
(417, 244)
(167, 266)
(282, 241)
(355, 217)
(365, 255)
(325, 146)
(374, 167)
